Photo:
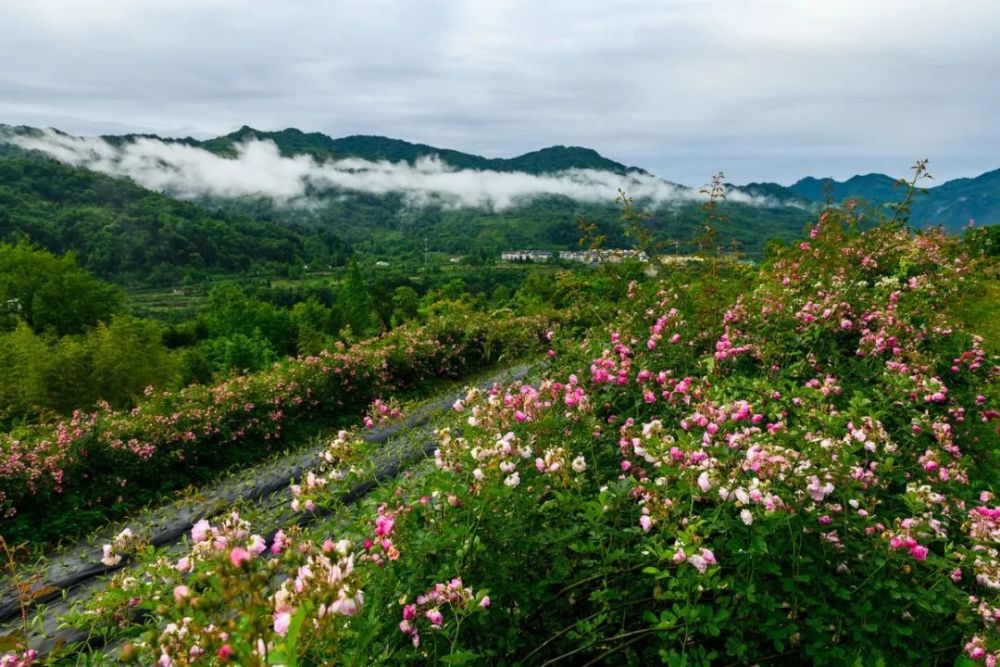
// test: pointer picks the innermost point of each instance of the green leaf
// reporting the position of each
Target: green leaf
(459, 658)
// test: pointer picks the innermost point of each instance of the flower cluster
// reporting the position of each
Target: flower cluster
(383, 412)
(22, 659)
(124, 542)
(380, 547)
(426, 610)
(325, 576)
(208, 602)
(47, 471)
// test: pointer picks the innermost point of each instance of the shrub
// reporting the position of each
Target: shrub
(55, 481)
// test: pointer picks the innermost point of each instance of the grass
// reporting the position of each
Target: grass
(979, 310)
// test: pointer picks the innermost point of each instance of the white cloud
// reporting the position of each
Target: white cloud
(258, 168)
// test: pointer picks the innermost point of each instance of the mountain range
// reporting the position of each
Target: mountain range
(374, 148)
(121, 226)
(951, 204)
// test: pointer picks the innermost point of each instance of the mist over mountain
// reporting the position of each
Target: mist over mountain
(295, 168)
(292, 141)
(254, 198)
(123, 231)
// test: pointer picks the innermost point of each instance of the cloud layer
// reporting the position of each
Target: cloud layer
(760, 89)
(259, 169)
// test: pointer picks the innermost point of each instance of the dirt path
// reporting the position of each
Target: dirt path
(74, 574)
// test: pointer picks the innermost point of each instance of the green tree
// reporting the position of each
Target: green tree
(240, 352)
(127, 356)
(52, 294)
(232, 311)
(355, 303)
(22, 390)
(312, 320)
(405, 303)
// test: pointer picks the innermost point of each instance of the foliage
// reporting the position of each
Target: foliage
(952, 204)
(375, 149)
(803, 470)
(67, 344)
(58, 480)
(122, 231)
(52, 294)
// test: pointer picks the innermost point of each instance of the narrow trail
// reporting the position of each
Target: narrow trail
(75, 574)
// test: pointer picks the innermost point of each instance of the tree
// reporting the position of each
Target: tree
(52, 294)
(405, 302)
(240, 352)
(313, 320)
(233, 311)
(355, 304)
(126, 356)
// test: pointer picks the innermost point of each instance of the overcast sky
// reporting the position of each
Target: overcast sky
(760, 89)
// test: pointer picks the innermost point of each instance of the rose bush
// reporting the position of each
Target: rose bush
(57, 481)
(792, 465)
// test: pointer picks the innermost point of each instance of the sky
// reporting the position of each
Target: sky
(763, 90)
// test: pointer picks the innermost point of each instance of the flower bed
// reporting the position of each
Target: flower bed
(56, 480)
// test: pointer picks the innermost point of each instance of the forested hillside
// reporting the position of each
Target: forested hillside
(292, 141)
(120, 230)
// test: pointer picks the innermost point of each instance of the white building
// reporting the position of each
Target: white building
(604, 256)
(526, 256)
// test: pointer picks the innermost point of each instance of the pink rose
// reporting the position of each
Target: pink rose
(238, 556)
(281, 622)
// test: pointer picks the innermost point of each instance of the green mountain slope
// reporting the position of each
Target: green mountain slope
(955, 203)
(874, 188)
(386, 225)
(952, 204)
(120, 230)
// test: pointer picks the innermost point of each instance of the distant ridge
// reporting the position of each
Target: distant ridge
(373, 147)
(952, 204)
(870, 187)
(292, 141)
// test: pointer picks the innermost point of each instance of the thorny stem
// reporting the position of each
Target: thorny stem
(919, 172)
(716, 191)
(581, 582)
(624, 635)
(569, 627)
(620, 647)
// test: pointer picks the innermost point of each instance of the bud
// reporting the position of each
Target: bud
(128, 653)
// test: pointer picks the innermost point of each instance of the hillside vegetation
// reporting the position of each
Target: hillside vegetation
(796, 464)
(292, 141)
(126, 233)
(122, 231)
